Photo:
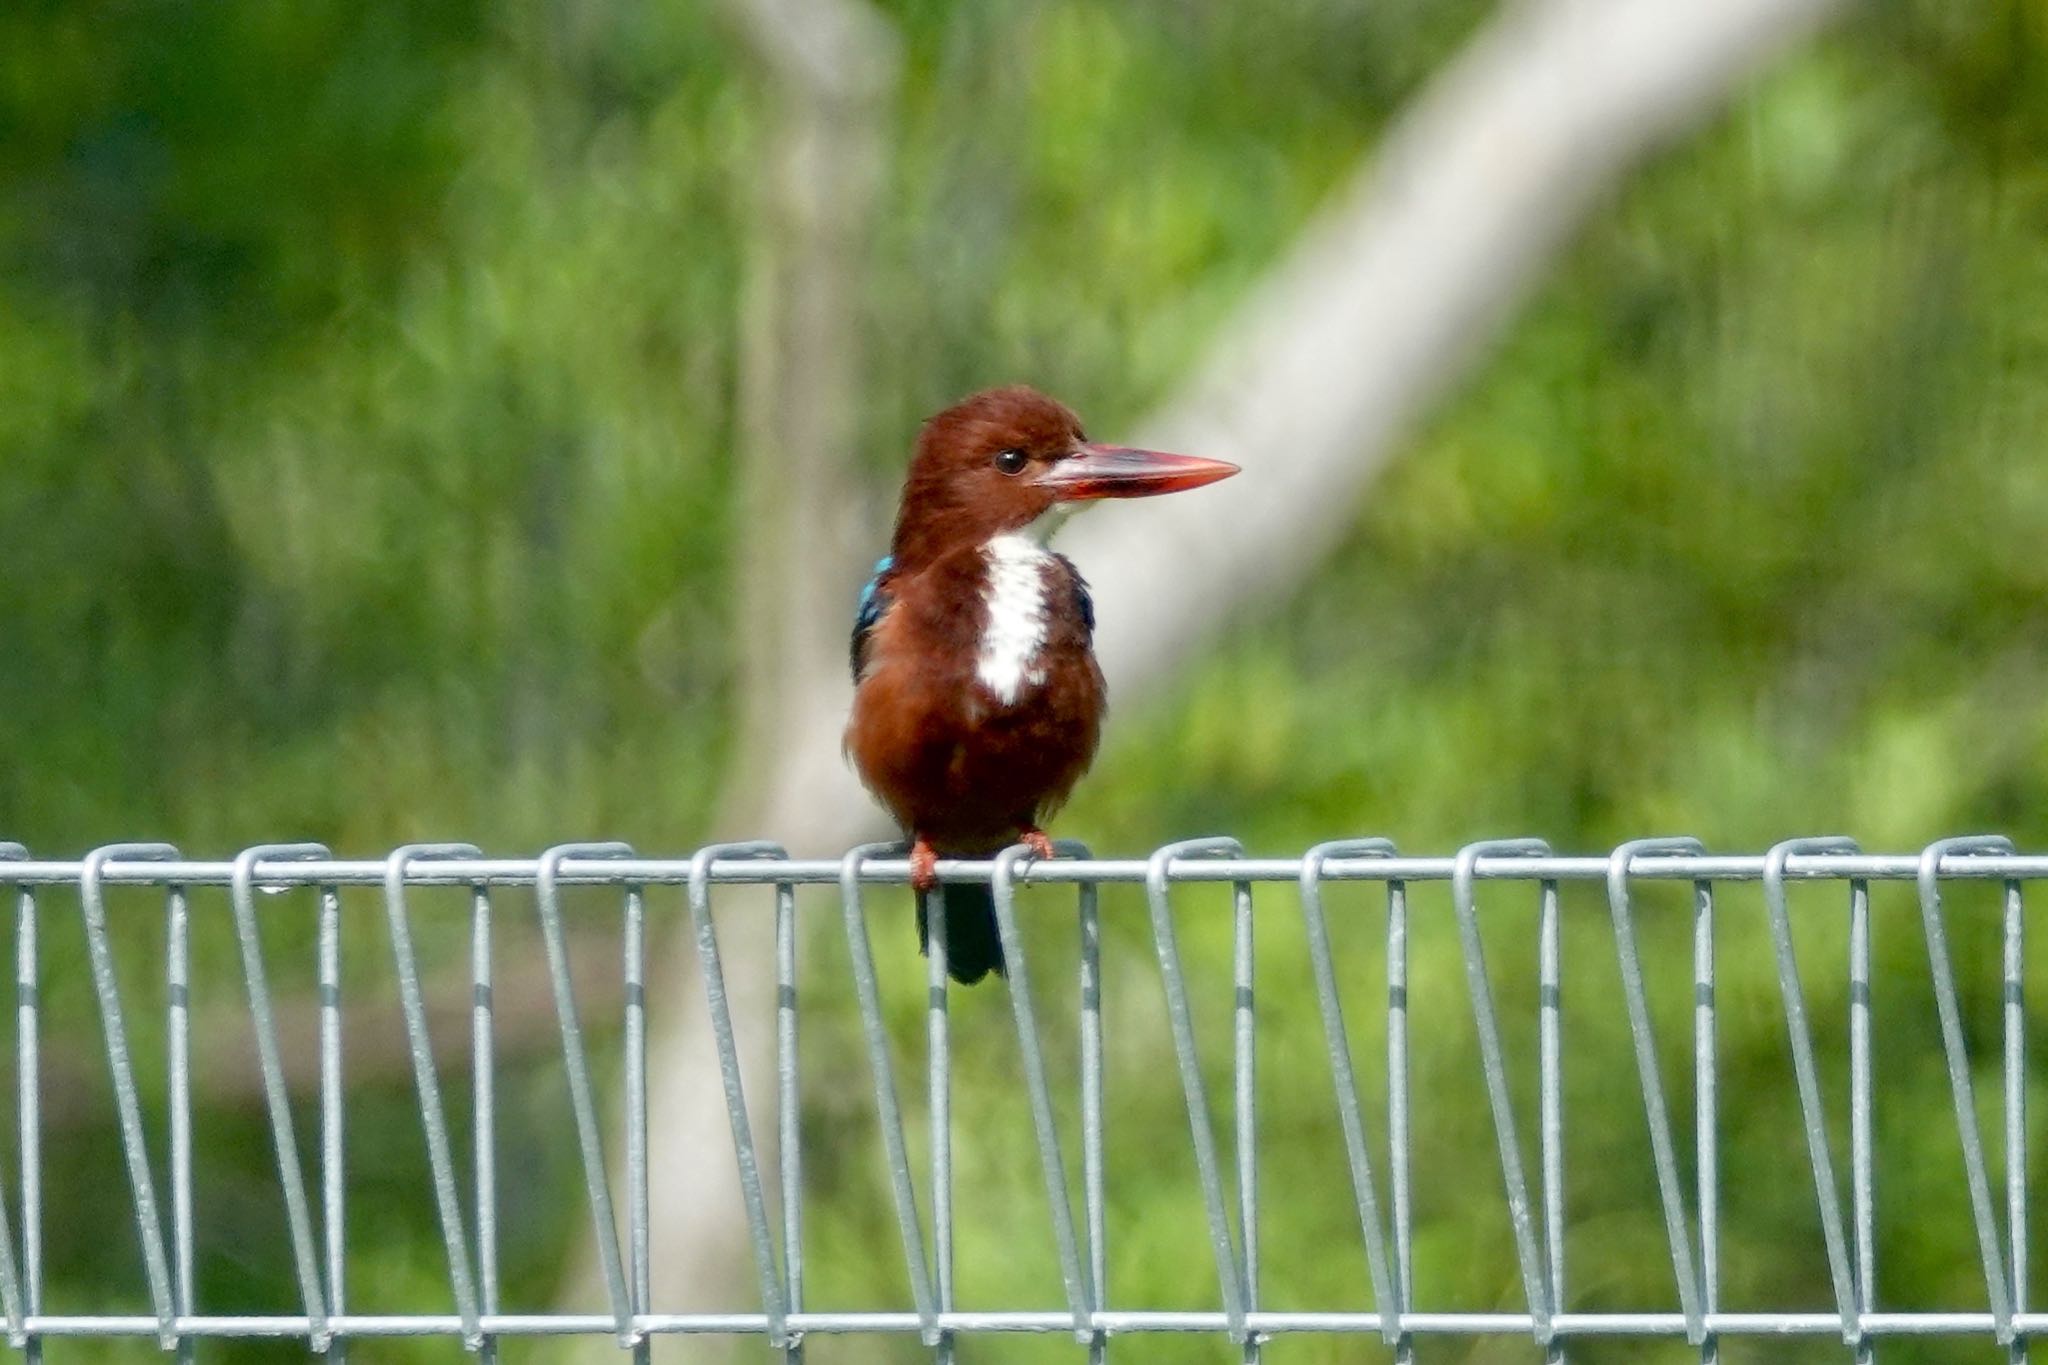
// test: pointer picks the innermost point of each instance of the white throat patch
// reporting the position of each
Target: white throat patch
(1015, 600)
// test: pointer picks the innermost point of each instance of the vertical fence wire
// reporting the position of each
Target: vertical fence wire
(1550, 1098)
(939, 1105)
(1706, 1115)
(333, 1170)
(178, 1050)
(1093, 1196)
(1397, 1118)
(1245, 1107)
(11, 1296)
(28, 1102)
(1398, 1131)
(483, 1083)
(789, 1113)
(639, 1212)
(1862, 1144)
(2015, 1077)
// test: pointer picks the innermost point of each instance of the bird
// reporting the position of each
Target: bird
(977, 699)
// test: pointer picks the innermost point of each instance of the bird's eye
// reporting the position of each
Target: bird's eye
(1012, 461)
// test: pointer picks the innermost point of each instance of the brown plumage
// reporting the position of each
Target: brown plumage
(948, 760)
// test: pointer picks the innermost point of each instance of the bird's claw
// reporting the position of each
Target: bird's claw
(924, 866)
(1038, 842)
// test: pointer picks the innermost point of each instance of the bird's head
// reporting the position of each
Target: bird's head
(1013, 460)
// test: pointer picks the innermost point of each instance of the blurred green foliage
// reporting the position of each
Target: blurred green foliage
(366, 394)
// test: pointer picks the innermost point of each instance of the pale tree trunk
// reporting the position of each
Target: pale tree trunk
(803, 522)
(801, 526)
(1388, 297)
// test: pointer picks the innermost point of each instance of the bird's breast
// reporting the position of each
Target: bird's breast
(1010, 658)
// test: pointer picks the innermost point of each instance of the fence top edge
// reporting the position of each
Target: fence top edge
(895, 871)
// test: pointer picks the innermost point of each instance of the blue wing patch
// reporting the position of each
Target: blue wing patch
(1084, 605)
(873, 602)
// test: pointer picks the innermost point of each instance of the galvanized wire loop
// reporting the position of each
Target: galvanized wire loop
(1662, 1148)
(576, 1061)
(1493, 1062)
(1999, 1286)
(1230, 1271)
(1806, 1072)
(895, 1149)
(290, 1174)
(426, 1079)
(773, 1293)
(1003, 885)
(1371, 1230)
(148, 1223)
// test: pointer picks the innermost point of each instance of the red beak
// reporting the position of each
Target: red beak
(1120, 472)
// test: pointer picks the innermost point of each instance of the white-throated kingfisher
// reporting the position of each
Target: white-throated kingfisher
(977, 701)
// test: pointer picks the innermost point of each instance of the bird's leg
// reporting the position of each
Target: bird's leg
(1035, 839)
(924, 865)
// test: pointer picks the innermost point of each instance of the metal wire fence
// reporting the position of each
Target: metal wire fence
(1380, 1165)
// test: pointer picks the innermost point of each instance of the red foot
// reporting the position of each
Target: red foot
(924, 865)
(1035, 839)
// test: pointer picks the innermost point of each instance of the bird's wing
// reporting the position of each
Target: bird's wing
(1083, 603)
(874, 600)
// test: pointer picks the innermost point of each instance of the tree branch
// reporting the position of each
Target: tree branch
(1391, 294)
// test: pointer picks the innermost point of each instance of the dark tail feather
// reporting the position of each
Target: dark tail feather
(974, 948)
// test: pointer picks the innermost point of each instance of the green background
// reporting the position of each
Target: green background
(367, 401)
